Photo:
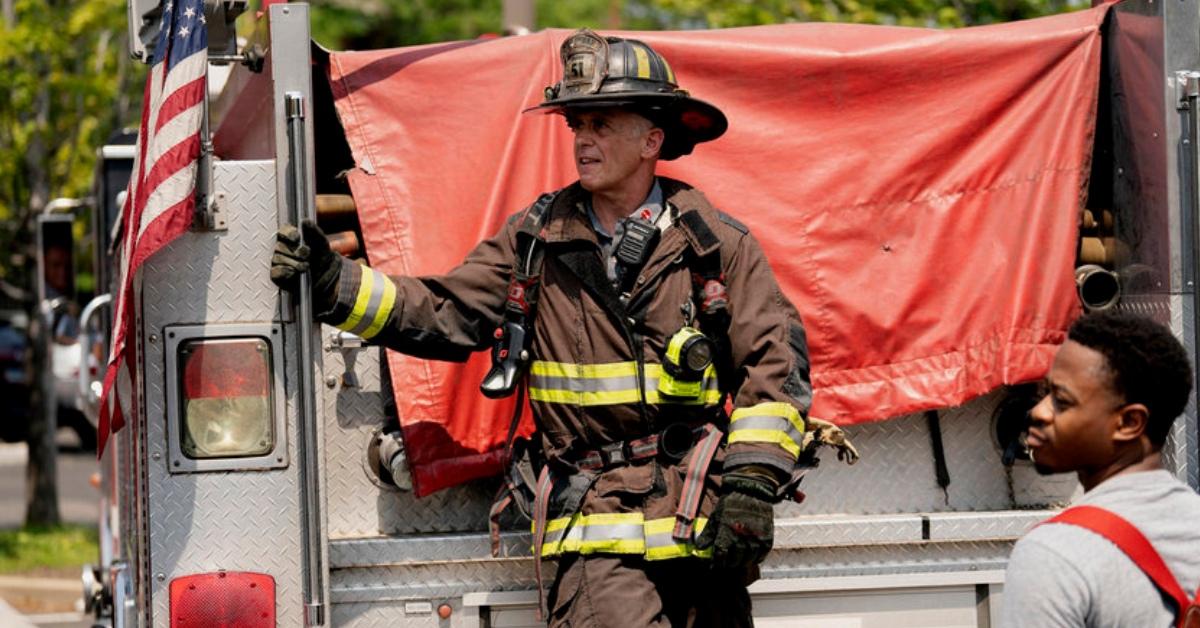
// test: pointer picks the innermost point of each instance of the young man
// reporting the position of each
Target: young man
(1113, 392)
(651, 306)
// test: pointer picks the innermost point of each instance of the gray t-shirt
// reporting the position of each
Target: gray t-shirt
(1063, 575)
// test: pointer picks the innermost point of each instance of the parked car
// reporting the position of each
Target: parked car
(14, 375)
(16, 382)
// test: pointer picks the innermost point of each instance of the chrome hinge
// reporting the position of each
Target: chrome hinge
(1187, 88)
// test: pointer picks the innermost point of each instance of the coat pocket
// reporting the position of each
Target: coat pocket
(626, 480)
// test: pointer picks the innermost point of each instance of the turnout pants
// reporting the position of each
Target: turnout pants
(603, 591)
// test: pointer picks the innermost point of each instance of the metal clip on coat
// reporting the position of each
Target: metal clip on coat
(509, 357)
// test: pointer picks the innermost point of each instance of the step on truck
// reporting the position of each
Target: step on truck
(273, 472)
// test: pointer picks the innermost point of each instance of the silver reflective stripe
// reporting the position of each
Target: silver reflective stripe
(585, 533)
(584, 384)
(772, 423)
(378, 286)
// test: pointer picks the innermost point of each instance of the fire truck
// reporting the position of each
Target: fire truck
(265, 478)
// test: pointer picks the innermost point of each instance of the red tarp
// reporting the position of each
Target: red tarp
(917, 192)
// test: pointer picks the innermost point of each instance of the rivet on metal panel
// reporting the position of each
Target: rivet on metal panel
(160, 577)
(153, 338)
(156, 456)
(331, 381)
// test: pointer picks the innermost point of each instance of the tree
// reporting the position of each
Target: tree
(68, 82)
(365, 24)
(928, 13)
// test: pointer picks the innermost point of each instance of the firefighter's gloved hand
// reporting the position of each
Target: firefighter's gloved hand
(291, 260)
(741, 530)
(821, 432)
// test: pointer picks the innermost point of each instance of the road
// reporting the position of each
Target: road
(77, 503)
(76, 498)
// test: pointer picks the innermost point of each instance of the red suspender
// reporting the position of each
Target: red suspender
(1135, 545)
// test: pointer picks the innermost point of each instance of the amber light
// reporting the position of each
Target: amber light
(227, 405)
(225, 599)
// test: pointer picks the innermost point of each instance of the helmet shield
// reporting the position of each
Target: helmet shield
(627, 73)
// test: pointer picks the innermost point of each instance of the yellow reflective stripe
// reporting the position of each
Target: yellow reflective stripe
(586, 534)
(613, 383)
(583, 398)
(774, 437)
(643, 61)
(776, 423)
(366, 283)
(660, 545)
(772, 408)
(667, 67)
(385, 307)
(586, 371)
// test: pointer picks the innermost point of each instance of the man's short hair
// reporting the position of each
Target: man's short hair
(1148, 364)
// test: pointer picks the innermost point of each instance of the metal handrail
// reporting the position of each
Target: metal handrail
(86, 339)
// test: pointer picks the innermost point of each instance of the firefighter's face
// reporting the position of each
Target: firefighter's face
(58, 268)
(610, 145)
(1077, 424)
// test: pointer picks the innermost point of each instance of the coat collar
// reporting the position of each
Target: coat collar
(569, 221)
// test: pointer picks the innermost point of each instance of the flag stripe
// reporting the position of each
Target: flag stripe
(170, 173)
(178, 103)
(160, 198)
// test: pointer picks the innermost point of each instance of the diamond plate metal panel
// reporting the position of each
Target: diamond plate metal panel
(989, 526)
(887, 559)
(896, 473)
(1182, 451)
(437, 580)
(394, 614)
(792, 534)
(358, 505)
(400, 596)
(197, 521)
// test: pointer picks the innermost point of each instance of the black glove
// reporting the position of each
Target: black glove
(741, 530)
(292, 259)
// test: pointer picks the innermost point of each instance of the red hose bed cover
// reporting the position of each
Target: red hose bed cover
(916, 191)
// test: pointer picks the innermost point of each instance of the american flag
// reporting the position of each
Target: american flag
(162, 192)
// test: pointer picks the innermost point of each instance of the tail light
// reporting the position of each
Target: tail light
(234, 599)
(226, 397)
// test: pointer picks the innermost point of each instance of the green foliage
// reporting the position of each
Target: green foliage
(68, 81)
(354, 24)
(929, 13)
(367, 24)
(32, 549)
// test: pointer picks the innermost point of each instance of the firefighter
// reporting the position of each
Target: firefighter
(631, 308)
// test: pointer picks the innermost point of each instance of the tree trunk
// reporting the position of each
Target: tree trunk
(41, 472)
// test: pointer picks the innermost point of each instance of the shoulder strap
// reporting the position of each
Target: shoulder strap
(512, 339)
(1135, 545)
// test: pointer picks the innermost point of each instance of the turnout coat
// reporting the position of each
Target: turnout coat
(596, 359)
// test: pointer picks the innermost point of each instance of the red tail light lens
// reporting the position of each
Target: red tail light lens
(234, 599)
(227, 404)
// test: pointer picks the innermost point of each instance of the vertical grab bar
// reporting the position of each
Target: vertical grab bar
(309, 480)
(1188, 91)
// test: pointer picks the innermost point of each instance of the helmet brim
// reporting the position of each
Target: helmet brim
(699, 120)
